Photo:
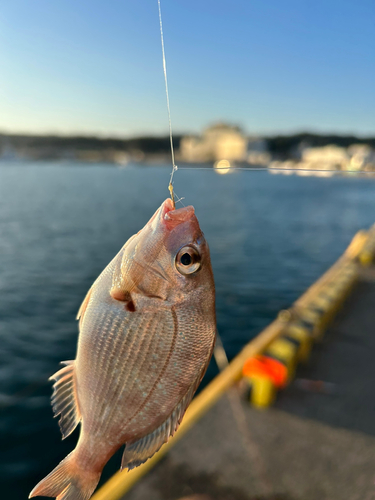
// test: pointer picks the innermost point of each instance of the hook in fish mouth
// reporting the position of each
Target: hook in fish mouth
(172, 217)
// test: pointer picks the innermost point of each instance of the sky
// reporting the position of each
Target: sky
(270, 66)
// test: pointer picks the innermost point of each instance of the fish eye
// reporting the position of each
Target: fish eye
(188, 260)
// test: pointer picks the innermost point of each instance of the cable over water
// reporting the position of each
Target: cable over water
(277, 169)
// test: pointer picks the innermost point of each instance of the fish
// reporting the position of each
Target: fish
(147, 330)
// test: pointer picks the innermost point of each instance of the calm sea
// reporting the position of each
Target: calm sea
(60, 224)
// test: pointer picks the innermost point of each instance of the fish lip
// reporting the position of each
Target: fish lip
(173, 217)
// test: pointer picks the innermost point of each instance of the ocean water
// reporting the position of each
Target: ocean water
(60, 224)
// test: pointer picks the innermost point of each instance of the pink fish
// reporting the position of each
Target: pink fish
(147, 332)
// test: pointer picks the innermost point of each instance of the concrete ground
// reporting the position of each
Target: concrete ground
(309, 446)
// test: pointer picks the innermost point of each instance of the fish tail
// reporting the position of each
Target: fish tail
(67, 482)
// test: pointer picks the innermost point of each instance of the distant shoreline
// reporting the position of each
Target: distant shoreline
(144, 149)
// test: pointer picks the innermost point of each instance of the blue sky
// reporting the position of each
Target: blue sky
(95, 67)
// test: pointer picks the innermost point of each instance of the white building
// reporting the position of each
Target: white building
(361, 156)
(329, 157)
(218, 142)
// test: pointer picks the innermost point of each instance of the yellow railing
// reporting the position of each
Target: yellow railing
(343, 273)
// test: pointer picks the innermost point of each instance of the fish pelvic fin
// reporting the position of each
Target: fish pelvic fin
(64, 399)
(140, 451)
(67, 482)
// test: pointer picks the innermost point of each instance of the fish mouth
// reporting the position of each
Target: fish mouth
(173, 217)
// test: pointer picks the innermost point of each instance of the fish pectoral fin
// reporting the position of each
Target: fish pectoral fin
(122, 285)
(140, 451)
(64, 399)
(120, 295)
(85, 303)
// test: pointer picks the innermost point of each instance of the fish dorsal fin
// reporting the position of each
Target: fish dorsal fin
(64, 399)
(138, 452)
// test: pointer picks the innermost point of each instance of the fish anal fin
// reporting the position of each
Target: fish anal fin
(64, 399)
(140, 451)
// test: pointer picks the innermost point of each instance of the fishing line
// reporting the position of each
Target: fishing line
(174, 166)
(252, 448)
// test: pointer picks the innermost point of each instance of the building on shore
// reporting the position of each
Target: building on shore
(217, 142)
(362, 157)
(329, 157)
(325, 160)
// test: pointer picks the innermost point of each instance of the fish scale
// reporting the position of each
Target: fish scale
(157, 378)
(128, 371)
(120, 344)
(102, 389)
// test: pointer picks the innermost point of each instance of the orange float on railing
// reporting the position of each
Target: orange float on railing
(265, 375)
